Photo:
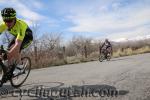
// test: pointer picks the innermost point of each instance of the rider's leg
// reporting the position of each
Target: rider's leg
(104, 52)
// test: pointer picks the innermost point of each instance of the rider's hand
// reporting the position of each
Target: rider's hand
(9, 56)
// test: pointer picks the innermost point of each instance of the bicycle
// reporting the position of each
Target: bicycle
(105, 54)
(15, 73)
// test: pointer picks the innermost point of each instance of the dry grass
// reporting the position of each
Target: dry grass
(145, 49)
(120, 53)
(130, 51)
(74, 59)
(80, 59)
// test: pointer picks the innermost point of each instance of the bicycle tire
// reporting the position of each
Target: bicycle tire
(29, 69)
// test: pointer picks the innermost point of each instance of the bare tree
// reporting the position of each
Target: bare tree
(50, 41)
(80, 45)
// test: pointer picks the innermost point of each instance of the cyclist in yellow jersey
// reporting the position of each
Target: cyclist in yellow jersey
(19, 29)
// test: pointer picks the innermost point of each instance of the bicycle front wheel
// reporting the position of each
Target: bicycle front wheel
(101, 57)
(21, 72)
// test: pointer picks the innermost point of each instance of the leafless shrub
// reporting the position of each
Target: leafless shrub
(77, 46)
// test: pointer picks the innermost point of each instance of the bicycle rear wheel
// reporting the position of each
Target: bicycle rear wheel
(108, 57)
(21, 72)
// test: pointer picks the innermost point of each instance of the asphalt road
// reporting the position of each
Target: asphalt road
(128, 78)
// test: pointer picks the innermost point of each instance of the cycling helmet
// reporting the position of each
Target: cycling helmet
(8, 13)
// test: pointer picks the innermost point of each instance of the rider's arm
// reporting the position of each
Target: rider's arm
(22, 30)
(18, 41)
(16, 46)
(15, 49)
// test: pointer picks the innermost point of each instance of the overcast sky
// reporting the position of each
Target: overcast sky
(114, 19)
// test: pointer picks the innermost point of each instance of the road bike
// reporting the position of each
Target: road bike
(16, 74)
(105, 55)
